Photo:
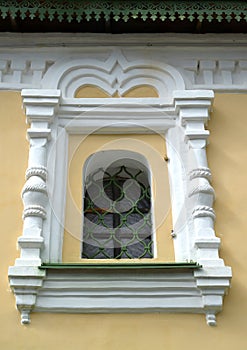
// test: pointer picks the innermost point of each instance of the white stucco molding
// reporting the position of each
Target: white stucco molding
(25, 277)
(193, 108)
(115, 75)
(214, 277)
(213, 61)
(53, 118)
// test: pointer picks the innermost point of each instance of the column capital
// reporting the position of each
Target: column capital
(193, 104)
(40, 104)
(193, 107)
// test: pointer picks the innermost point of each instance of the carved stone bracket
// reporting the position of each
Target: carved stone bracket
(213, 282)
(25, 282)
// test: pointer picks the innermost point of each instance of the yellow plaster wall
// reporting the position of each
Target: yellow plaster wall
(227, 158)
(88, 91)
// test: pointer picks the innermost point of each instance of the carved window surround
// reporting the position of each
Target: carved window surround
(53, 116)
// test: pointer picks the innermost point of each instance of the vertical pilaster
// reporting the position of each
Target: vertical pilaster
(40, 108)
(213, 279)
(193, 107)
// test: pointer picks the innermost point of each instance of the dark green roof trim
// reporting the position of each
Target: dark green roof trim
(183, 265)
(125, 10)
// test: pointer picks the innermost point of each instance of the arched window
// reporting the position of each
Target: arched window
(117, 212)
(56, 117)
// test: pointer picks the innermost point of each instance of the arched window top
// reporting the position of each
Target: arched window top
(106, 159)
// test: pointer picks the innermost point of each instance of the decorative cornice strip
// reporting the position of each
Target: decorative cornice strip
(29, 71)
(82, 10)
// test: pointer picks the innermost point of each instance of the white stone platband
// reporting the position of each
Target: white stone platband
(55, 114)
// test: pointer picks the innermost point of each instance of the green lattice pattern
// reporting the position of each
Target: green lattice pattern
(124, 10)
(117, 216)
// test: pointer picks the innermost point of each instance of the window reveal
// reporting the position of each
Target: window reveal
(117, 214)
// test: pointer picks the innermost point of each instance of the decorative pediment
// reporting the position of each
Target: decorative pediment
(114, 74)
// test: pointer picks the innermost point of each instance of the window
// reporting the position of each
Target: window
(54, 115)
(117, 213)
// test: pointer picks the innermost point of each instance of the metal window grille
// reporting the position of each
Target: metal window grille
(117, 215)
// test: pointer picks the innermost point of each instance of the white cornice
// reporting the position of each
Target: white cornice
(30, 40)
(119, 63)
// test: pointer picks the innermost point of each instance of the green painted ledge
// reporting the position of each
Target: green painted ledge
(170, 265)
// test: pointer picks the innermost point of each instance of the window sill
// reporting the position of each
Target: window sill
(120, 265)
(123, 288)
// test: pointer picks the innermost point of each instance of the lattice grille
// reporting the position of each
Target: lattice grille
(117, 215)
